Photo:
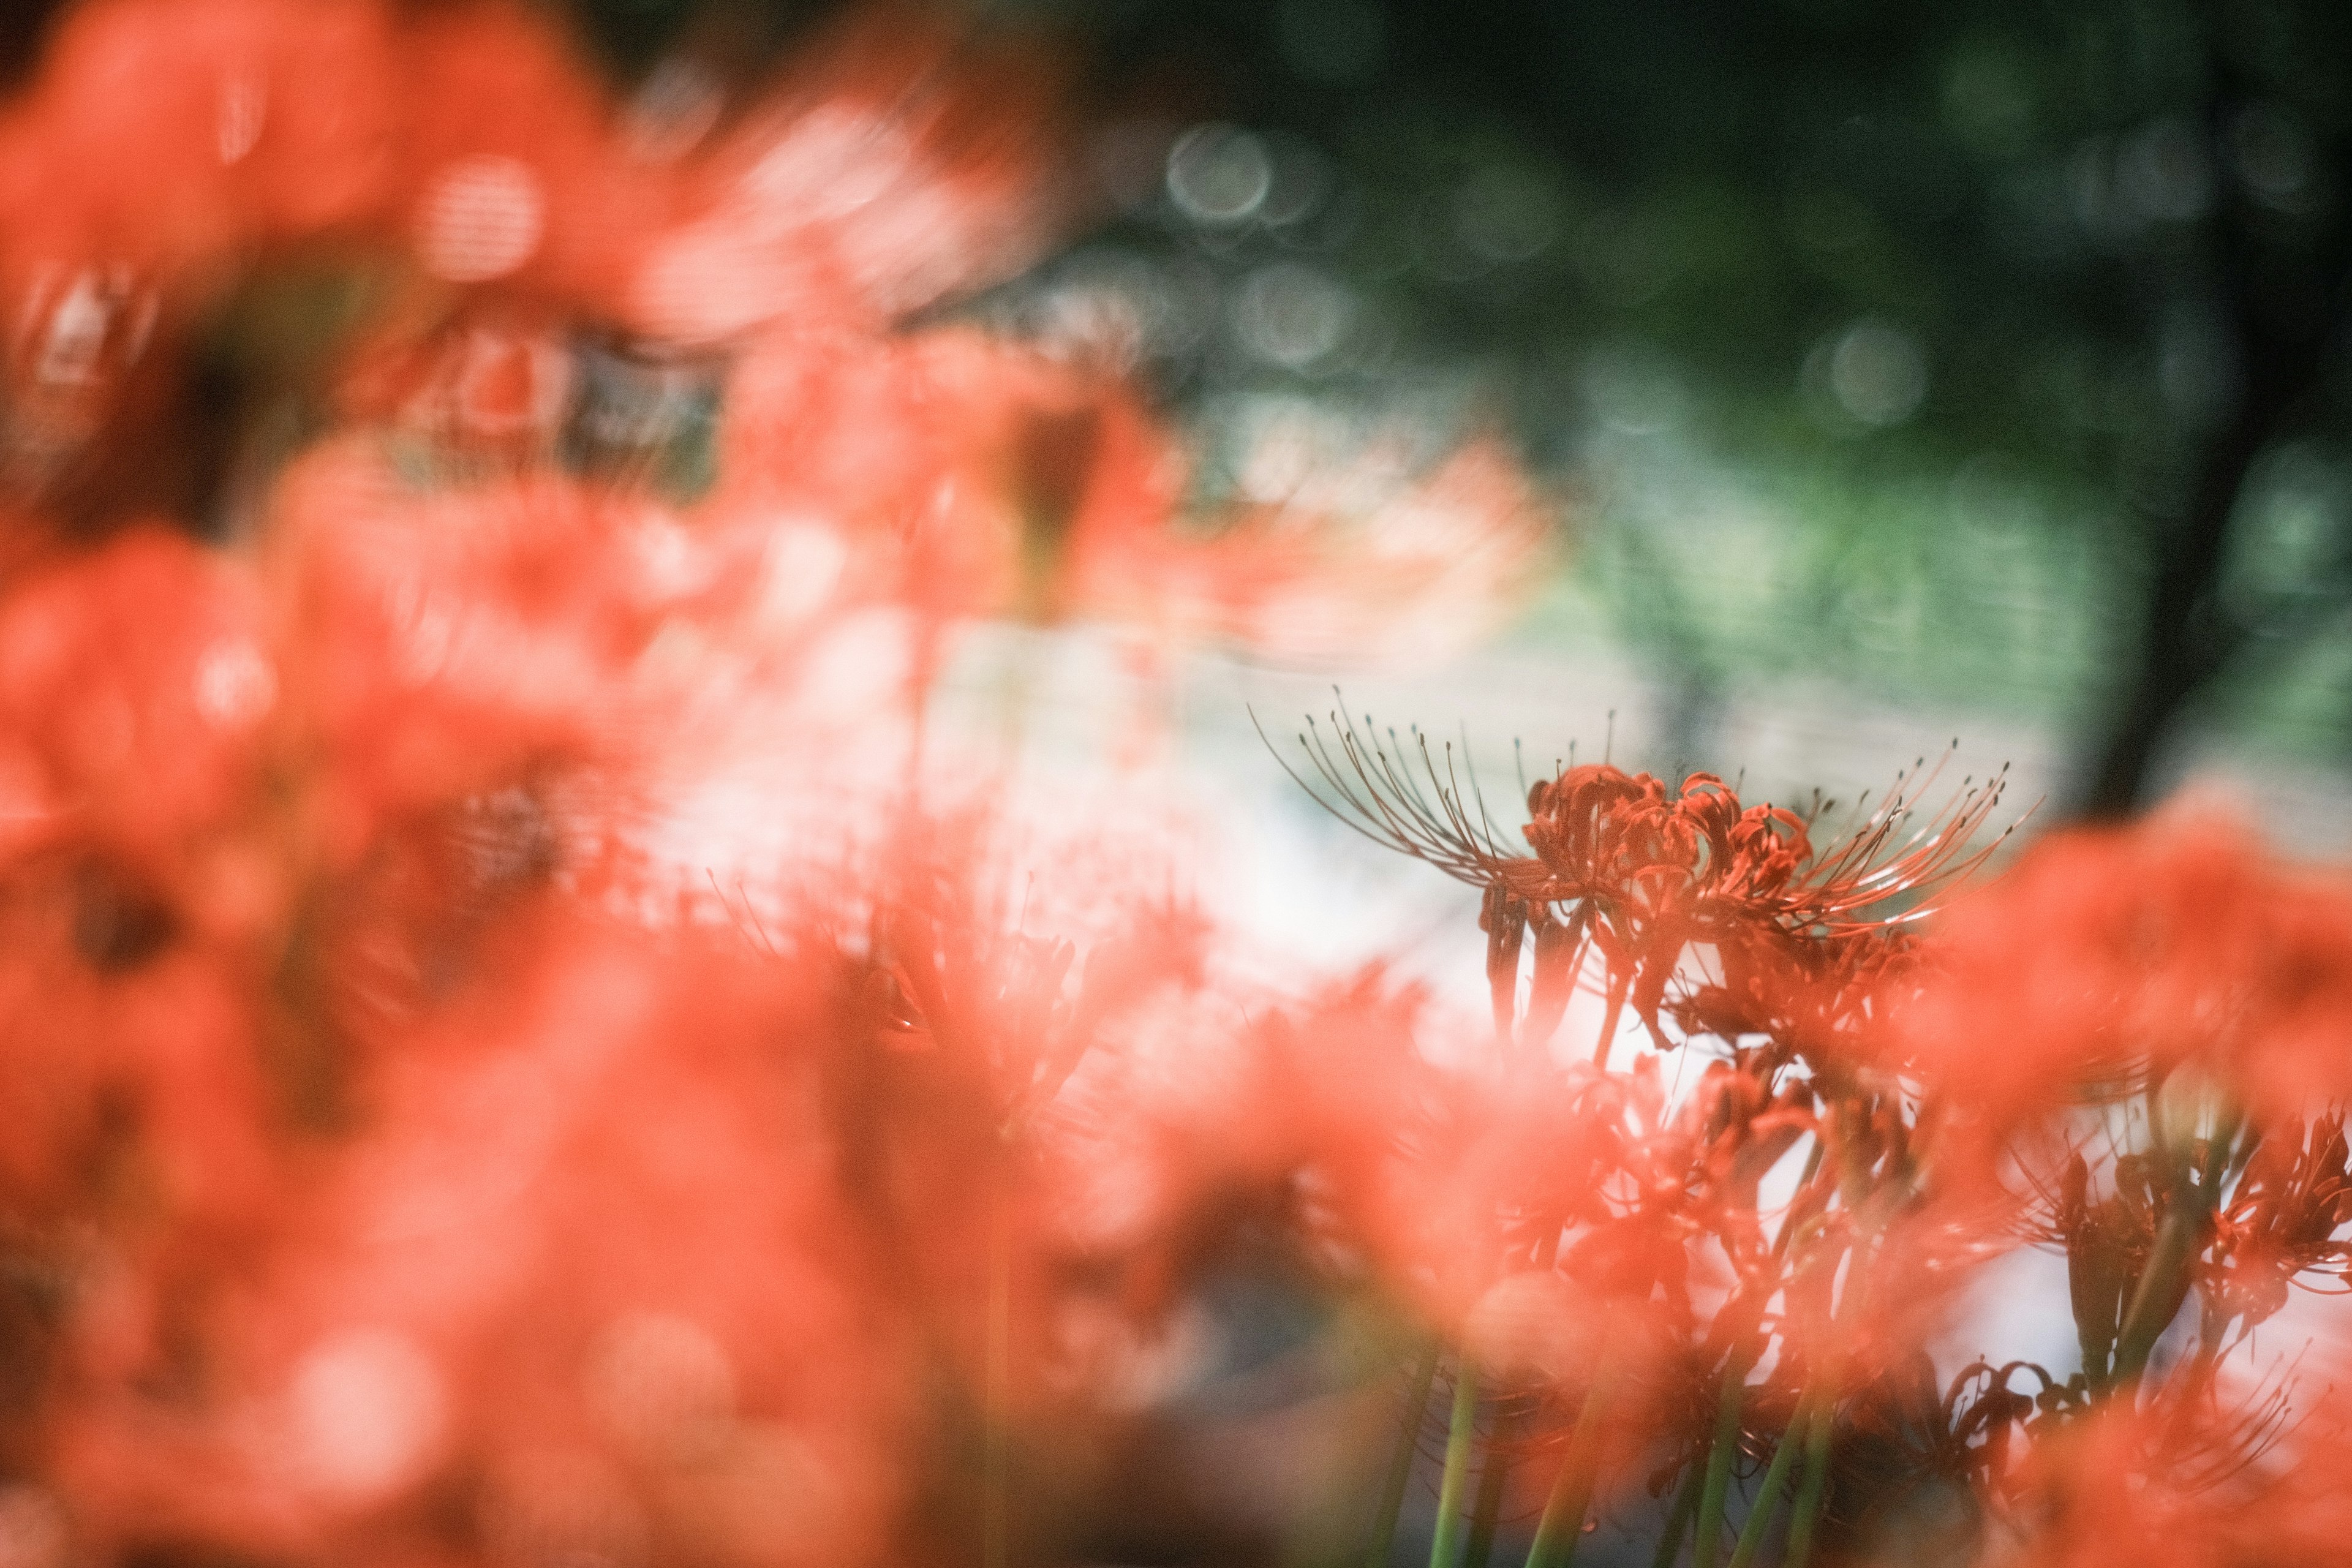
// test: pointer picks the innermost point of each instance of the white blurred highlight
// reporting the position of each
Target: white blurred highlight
(368, 1412)
(480, 219)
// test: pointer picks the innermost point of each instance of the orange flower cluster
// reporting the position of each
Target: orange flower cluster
(432, 480)
(2127, 1049)
(435, 486)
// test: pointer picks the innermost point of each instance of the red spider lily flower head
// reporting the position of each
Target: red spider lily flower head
(136, 687)
(635, 1317)
(176, 137)
(1637, 871)
(2283, 1221)
(452, 642)
(2108, 958)
(1825, 1000)
(2177, 1480)
(1697, 863)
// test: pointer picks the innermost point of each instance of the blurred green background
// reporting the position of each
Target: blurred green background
(1988, 357)
(1987, 361)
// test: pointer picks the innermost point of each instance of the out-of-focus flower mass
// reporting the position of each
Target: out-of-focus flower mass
(526, 1038)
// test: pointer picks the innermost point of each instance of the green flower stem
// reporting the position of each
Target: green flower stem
(2175, 1238)
(2175, 1246)
(1814, 1490)
(1460, 1435)
(1768, 1495)
(1493, 1475)
(1678, 1518)
(996, 1466)
(1571, 1491)
(1399, 1476)
(1709, 1546)
(1796, 1194)
(1705, 1491)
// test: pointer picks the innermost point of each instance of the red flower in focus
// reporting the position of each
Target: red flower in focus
(1627, 867)
(2291, 1204)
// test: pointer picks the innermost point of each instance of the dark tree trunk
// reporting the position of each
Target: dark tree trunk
(2187, 635)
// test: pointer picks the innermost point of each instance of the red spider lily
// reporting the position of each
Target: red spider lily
(2121, 958)
(1641, 874)
(2175, 1482)
(1657, 873)
(2282, 1220)
(1860, 1271)
(2141, 1231)
(136, 689)
(561, 1310)
(254, 122)
(1822, 1000)
(1699, 859)
(451, 642)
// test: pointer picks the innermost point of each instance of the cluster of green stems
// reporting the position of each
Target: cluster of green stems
(1464, 1536)
(1699, 1514)
(1464, 1539)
